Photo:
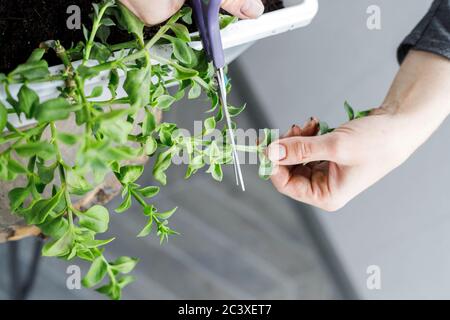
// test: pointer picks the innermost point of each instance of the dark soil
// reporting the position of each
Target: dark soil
(24, 24)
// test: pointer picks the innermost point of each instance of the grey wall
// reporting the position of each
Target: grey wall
(403, 223)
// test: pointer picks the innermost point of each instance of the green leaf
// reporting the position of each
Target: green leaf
(130, 22)
(95, 219)
(3, 117)
(16, 167)
(182, 73)
(149, 124)
(323, 128)
(149, 192)
(161, 165)
(166, 131)
(104, 31)
(182, 51)
(100, 52)
(181, 32)
(36, 55)
(124, 281)
(186, 15)
(108, 22)
(164, 102)
(362, 114)
(150, 146)
(147, 229)
(96, 243)
(96, 92)
(117, 130)
(149, 210)
(17, 197)
(85, 33)
(78, 185)
(349, 110)
(129, 174)
(41, 149)
(113, 83)
(60, 247)
(137, 86)
(216, 172)
(124, 264)
(31, 70)
(166, 215)
(46, 174)
(210, 125)
(55, 109)
(195, 91)
(28, 101)
(112, 290)
(96, 273)
(234, 111)
(67, 138)
(55, 228)
(86, 72)
(126, 204)
(42, 208)
(226, 20)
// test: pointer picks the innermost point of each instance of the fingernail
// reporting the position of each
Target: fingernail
(276, 152)
(252, 8)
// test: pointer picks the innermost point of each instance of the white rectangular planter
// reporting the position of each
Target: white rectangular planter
(236, 39)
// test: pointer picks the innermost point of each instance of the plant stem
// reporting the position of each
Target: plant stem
(124, 45)
(138, 198)
(85, 103)
(95, 27)
(62, 175)
(109, 271)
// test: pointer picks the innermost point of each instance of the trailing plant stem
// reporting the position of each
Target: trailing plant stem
(95, 26)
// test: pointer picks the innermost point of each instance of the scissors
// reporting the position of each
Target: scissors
(206, 13)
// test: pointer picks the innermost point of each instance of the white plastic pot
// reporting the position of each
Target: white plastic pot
(236, 39)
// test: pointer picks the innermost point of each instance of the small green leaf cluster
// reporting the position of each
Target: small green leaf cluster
(324, 128)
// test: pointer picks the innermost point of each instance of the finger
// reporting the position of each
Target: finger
(298, 186)
(310, 186)
(296, 150)
(244, 9)
(311, 128)
(280, 177)
(152, 12)
(293, 131)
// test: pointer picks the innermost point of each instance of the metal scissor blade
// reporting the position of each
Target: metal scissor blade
(223, 95)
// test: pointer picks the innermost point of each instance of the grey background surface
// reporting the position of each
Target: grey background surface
(402, 224)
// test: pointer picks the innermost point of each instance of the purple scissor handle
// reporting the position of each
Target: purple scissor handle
(206, 14)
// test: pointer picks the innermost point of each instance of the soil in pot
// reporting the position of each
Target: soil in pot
(24, 24)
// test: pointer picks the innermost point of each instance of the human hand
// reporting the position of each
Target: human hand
(328, 171)
(152, 12)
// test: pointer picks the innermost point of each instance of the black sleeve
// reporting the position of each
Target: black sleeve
(432, 34)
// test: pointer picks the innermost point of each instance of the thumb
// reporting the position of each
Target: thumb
(244, 9)
(296, 150)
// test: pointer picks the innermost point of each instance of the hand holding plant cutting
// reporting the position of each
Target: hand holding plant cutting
(328, 171)
(152, 12)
